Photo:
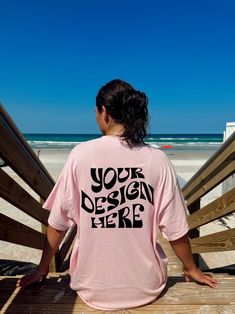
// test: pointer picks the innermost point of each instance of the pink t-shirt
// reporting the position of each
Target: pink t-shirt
(120, 199)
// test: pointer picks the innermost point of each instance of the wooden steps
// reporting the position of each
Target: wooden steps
(55, 296)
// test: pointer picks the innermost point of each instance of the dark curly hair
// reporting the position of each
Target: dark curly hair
(126, 106)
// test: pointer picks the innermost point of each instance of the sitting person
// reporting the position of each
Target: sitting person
(120, 192)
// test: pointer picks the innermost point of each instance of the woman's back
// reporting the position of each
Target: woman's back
(110, 194)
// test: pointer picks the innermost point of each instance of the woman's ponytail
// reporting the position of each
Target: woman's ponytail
(135, 117)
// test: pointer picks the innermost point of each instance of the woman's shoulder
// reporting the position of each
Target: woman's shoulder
(158, 153)
(161, 161)
(84, 147)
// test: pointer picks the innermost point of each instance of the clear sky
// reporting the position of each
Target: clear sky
(55, 55)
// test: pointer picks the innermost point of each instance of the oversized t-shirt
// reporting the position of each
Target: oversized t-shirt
(120, 199)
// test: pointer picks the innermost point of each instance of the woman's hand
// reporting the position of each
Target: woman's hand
(199, 277)
(182, 249)
(32, 278)
(53, 240)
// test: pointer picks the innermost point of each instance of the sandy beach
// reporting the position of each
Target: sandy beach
(185, 162)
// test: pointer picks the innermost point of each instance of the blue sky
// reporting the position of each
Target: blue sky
(55, 55)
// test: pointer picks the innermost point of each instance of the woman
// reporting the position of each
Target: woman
(121, 193)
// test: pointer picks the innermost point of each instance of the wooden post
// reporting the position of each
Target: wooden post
(17, 154)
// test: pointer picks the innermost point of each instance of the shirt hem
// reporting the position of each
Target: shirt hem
(178, 235)
(55, 226)
(119, 308)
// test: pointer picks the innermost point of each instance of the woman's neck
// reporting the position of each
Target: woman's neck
(114, 130)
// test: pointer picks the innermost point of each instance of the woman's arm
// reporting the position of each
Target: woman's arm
(53, 240)
(183, 251)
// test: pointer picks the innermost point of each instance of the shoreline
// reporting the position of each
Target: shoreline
(185, 162)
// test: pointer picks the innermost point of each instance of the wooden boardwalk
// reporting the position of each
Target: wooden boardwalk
(55, 296)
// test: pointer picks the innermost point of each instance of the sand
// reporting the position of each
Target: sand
(185, 162)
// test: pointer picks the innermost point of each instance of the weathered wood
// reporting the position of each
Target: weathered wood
(22, 159)
(223, 154)
(23, 141)
(18, 233)
(213, 169)
(12, 192)
(220, 241)
(219, 167)
(156, 309)
(216, 180)
(55, 296)
(220, 207)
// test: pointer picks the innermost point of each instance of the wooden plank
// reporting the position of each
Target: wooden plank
(23, 160)
(56, 290)
(152, 308)
(12, 192)
(216, 242)
(213, 169)
(225, 152)
(216, 180)
(23, 141)
(220, 207)
(18, 233)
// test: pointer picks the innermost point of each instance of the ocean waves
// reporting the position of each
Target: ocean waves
(168, 141)
(52, 144)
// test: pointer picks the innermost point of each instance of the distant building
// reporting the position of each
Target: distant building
(230, 128)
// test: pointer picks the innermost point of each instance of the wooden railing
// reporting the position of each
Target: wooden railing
(16, 153)
(215, 171)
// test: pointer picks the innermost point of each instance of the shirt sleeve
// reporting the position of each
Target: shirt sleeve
(171, 207)
(59, 201)
(172, 219)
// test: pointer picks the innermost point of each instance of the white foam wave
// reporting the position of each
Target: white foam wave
(52, 143)
(154, 145)
(178, 138)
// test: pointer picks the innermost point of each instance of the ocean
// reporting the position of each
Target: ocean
(166, 141)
